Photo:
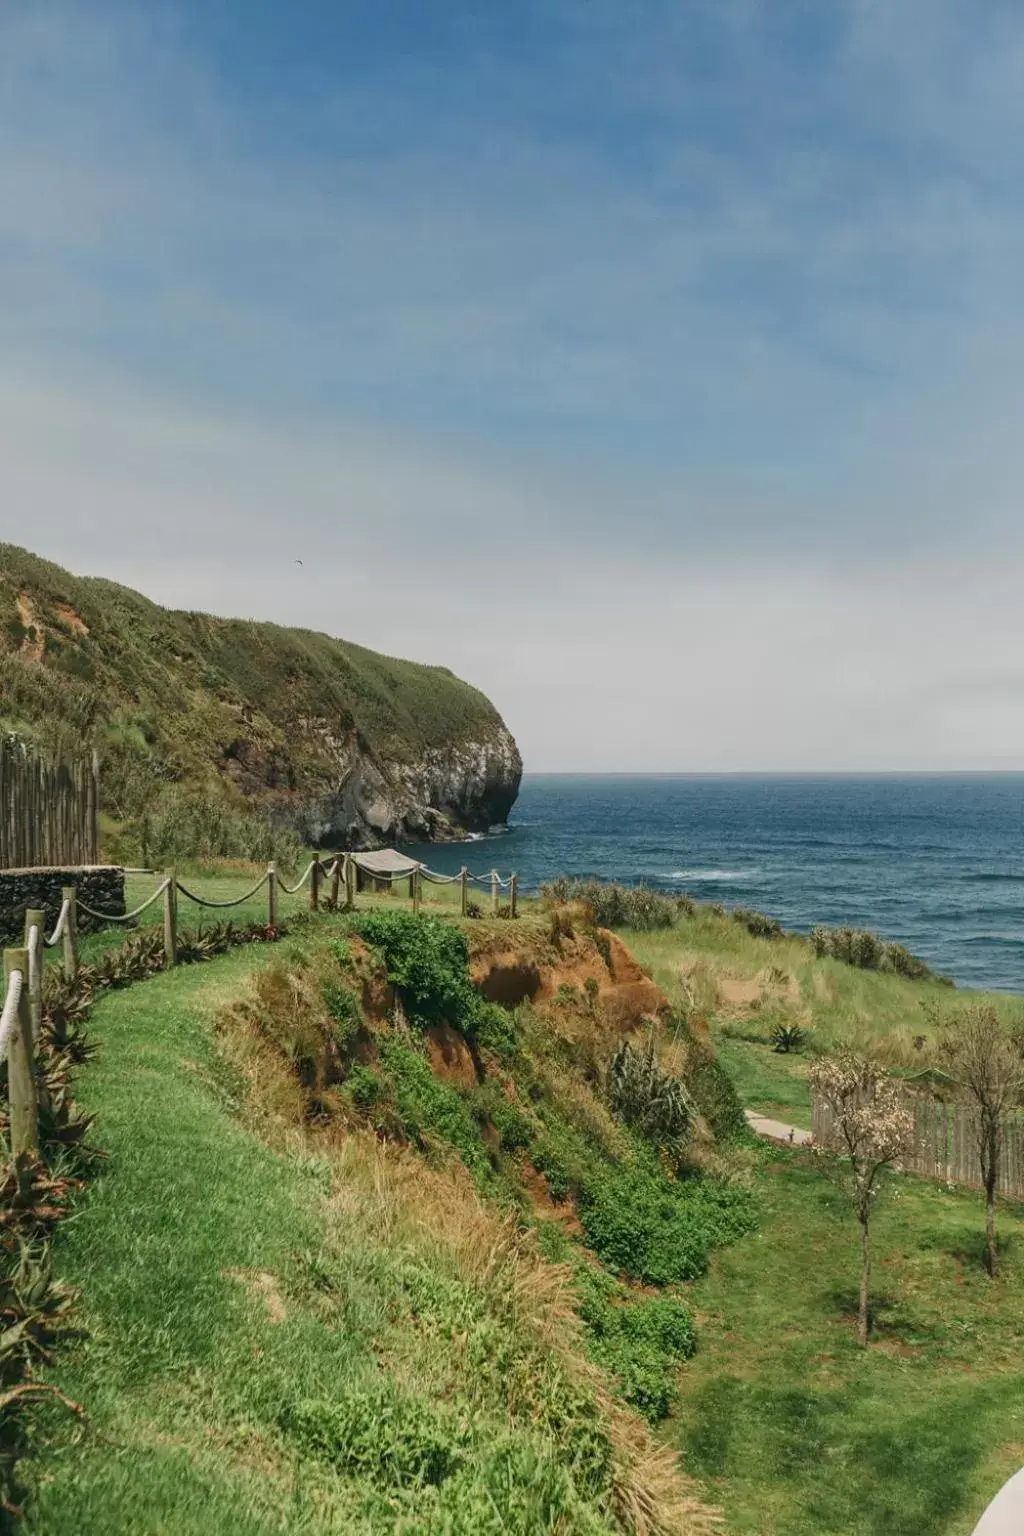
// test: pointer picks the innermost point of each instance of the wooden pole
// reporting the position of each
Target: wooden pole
(513, 895)
(35, 918)
(416, 892)
(335, 885)
(350, 883)
(495, 891)
(20, 1067)
(464, 878)
(314, 887)
(171, 920)
(272, 895)
(70, 895)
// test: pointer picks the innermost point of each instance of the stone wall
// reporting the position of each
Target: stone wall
(100, 886)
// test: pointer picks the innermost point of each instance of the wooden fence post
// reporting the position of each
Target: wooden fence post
(350, 883)
(495, 891)
(513, 895)
(464, 878)
(272, 895)
(20, 1068)
(335, 885)
(416, 892)
(70, 895)
(35, 918)
(314, 887)
(171, 919)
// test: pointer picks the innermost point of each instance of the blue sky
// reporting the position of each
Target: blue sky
(656, 366)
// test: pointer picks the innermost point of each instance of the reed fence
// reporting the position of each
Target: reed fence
(21, 1008)
(945, 1143)
(49, 810)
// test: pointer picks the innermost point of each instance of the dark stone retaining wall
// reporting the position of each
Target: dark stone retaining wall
(99, 885)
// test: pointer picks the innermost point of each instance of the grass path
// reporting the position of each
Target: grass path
(186, 1198)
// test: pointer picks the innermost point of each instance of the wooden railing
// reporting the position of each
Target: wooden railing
(49, 810)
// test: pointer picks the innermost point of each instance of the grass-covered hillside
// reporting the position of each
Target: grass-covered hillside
(224, 704)
(452, 1226)
(373, 1252)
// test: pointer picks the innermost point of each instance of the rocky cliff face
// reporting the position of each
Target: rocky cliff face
(463, 787)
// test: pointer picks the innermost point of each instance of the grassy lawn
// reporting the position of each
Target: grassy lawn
(799, 1432)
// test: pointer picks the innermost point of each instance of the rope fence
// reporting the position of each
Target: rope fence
(21, 1013)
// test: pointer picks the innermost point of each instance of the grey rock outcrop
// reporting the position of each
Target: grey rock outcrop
(463, 787)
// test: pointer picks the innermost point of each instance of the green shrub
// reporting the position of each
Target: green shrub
(185, 825)
(489, 1105)
(344, 1007)
(786, 1036)
(615, 906)
(757, 924)
(855, 946)
(427, 961)
(640, 1341)
(649, 1099)
(641, 1223)
(711, 1087)
(432, 1111)
(364, 1087)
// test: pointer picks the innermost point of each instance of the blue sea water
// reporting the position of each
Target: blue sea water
(935, 861)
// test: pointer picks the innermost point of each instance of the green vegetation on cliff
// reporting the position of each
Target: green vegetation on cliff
(229, 705)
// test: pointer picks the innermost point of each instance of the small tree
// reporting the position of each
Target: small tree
(873, 1130)
(986, 1062)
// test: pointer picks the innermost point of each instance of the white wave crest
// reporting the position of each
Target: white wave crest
(711, 874)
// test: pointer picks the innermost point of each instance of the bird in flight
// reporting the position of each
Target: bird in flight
(298, 562)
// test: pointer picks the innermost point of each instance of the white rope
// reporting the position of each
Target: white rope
(35, 939)
(9, 1015)
(290, 890)
(434, 878)
(109, 917)
(62, 922)
(236, 901)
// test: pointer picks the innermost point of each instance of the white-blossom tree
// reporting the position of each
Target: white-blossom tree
(986, 1061)
(872, 1131)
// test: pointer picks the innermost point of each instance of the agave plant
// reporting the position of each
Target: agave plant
(786, 1036)
(648, 1098)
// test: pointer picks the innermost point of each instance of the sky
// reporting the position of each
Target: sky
(654, 364)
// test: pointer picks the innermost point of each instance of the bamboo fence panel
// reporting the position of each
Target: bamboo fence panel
(49, 809)
(945, 1142)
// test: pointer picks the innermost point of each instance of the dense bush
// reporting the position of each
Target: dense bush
(615, 906)
(757, 923)
(427, 962)
(658, 1230)
(869, 952)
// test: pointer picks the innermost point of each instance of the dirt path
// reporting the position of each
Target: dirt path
(776, 1130)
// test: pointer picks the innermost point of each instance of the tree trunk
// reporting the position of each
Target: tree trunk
(990, 1174)
(865, 1275)
(990, 1226)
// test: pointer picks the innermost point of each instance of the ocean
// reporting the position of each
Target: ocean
(936, 861)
